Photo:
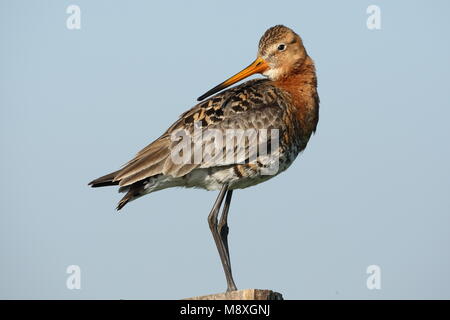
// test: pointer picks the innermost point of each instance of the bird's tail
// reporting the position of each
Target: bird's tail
(133, 191)
(127, 198)
(107, 180)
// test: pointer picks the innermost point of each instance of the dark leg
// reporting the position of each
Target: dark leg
(223, 224)
(212, 220)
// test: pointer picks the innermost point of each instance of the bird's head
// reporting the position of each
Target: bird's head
(280, 53)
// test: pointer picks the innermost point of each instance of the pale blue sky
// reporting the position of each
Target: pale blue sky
(371, 188)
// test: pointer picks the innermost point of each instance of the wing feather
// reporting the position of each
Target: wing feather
(253, 105)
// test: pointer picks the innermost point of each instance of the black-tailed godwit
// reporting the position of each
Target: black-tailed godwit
(286, 101)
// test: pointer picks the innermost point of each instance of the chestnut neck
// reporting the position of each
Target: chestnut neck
(301, 84)
(303, 75)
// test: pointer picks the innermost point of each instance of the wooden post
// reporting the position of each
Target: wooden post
(247, 294)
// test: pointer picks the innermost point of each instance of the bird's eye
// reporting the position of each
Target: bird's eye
(281, 47)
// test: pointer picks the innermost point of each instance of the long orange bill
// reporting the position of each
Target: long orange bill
(258, 66)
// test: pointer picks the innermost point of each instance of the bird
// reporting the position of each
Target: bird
(280, 110)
